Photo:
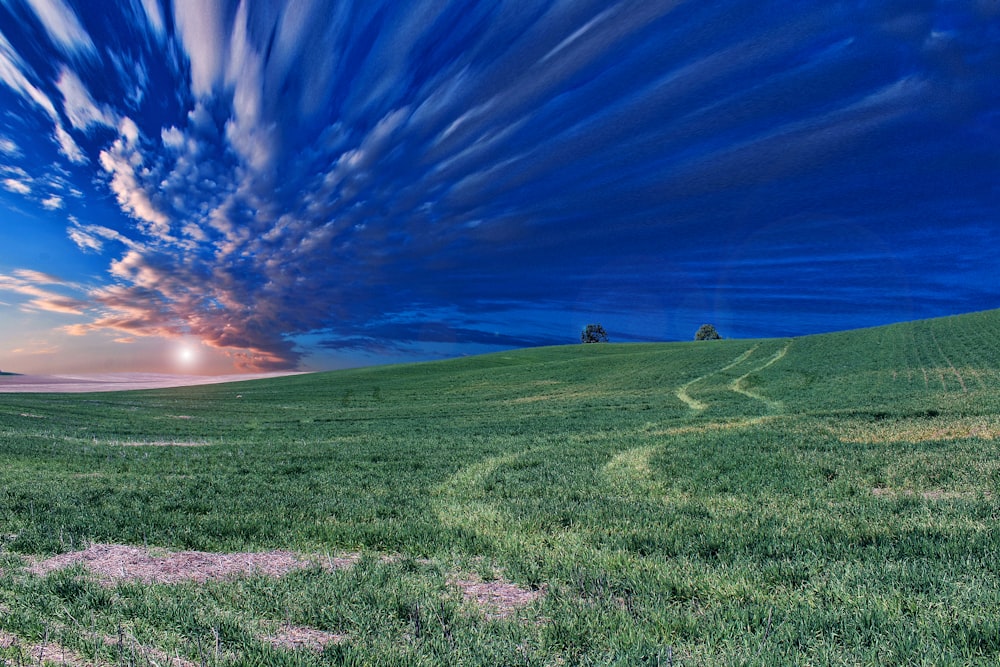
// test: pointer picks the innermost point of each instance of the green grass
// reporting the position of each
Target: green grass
(821, 500)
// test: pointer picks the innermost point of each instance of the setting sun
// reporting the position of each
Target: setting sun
(187, 355)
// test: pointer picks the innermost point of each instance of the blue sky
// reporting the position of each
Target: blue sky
(275, 185)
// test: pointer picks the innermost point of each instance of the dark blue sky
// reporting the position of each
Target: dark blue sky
(316, 184)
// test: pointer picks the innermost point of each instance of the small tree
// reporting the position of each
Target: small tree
(707, 332)
(594, 333)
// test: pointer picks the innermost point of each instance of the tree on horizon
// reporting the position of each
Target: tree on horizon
(707, 332)
(594, 333)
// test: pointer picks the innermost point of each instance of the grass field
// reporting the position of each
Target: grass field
(822, 500)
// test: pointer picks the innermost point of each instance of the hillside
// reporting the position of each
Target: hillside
(827, 499)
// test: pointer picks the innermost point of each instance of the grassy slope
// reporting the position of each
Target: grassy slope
(828, 499)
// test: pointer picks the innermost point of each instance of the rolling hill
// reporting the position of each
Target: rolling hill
(828, 499)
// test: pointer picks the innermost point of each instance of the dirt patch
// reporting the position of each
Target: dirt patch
(113, 563)
(297, 638)
(498, 598)
(936, 494)
(44, 653)
(130, 648)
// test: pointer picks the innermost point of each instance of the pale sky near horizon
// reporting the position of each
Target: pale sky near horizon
(210, 186)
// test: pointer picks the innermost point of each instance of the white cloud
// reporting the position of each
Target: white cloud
(53, 203)
(92, 237)
(8, 147)
(129, 130)
(154, 15)
(201, 25)
(78, 105)
(17, 186)
(172, 138)
(84, 240)
(15, 74)
(121, 161)
(68, 147)
(63, 26)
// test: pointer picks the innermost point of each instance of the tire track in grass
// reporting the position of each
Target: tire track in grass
(961, 380)
(630, 470)
(460, 503)
(737, 384)
(693, 403)
(464, 501)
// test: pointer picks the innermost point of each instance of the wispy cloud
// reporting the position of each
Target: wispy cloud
(63, 27)
(78, 104)
(16, 74)
(40, 348)
(9, 147)
(29, 283)
(15, 185)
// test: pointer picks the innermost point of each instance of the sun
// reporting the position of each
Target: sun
(186, 355)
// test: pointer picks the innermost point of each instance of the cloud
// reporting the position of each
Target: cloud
(28, 283)
(84, 239)
(9, 147)
(15, 74)
(39, 348)
(154, 15)
(53, 203)
(19, 187)
(203, 26)
(79, 106)
(63, 27)
(121, 161)
(91, 238)
(39, 277)
(69, 147)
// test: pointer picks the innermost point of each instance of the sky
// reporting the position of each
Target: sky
(214, 186)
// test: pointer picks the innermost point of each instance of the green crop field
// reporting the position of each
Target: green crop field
(825, 500)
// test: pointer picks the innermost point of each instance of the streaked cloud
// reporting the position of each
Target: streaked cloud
(63, 27)
(16, 75)
(78, 105)
(30, 283)
(9, 147)
(14, 185)
(204, 29)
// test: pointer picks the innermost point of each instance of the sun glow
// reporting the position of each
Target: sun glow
(186, 355)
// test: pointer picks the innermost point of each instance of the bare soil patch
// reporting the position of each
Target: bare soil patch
(296, 638)
(129, 646)
(498, 598)
(45, 653)
(114, 563)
